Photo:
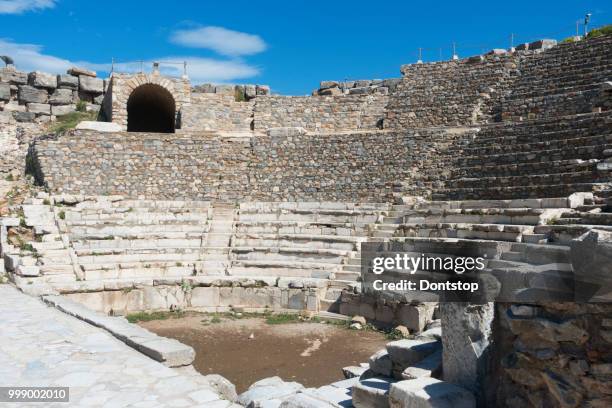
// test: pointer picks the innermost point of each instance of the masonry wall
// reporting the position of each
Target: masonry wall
(554, 355)
(368, 166)
(217, 111)
(325, 113)
(451, 93)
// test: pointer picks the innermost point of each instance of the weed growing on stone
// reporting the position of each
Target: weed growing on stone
(70, 121)
(62, 215)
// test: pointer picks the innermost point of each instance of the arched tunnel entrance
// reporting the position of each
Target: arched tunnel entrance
(151, 108)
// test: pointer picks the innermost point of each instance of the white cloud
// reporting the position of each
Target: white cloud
(221, 40)
(30, 57)
(21, 6)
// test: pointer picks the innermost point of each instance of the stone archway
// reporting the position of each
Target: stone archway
(151, 108)
(122, 87)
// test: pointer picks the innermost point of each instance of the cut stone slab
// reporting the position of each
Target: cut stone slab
(372, 393)
(430, 366)
(380, 363)
(42, 80)
(67, 81)
(29, 94)
(98, 126)
(405, 353)
(39, 108)
(273, 388)
(167, 351)
(61, 97)
(91, 85)
(305, 400)
(59, 110)
(77, 71)
(353, 371)
(591, 257)
(13, 76)
(5, 92)
(429, 393)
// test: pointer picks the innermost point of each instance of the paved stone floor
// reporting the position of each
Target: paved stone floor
(41, 346)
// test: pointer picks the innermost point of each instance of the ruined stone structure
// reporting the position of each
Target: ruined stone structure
(239, 198)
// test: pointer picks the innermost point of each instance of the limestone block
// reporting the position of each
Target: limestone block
(380, 363)
(21, 116)
(5, 92)
(303, 400)
(224, 89)
(59, 110)
(429, 392)
(76, 71)
(61, 97)
(42, 80)
(12, 76)
(168, 351)
(14, 106)
(67, 81)
(205, 297)
(591, 257)
(39, 108)
(466, 337)
(542, 44)
(430, 366)
(372, 393)
(250, 91)
(262, 90)
(328, 84)
(29, 94)
(99, 126)
(330, 91)
(222, 385)
(91, 85)
(404, 353)
(272, 388)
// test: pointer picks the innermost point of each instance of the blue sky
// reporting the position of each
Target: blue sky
(290, 45)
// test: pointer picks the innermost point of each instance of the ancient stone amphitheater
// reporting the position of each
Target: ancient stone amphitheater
(217, 198)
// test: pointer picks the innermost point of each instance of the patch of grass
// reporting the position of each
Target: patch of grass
(283, 318)
(69, 121)
(62, 215)
(81, 106)
(600, 31)
(9, 177)
(568, 40)
(149, 316)
(394, 334)
(46, 201)
(215, 319)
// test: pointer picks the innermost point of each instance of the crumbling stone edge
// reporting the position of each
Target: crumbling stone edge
(169, 352)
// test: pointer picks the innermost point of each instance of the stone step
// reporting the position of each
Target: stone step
(516, 169)
(91, 237)
(116, 244)
(525, 191)
(538, 254)
(140, 258)
(133, 229)
(301, 228)
(311, 206)
(261, 269)
(535, 238)
(309, 217)
(530, 203)
(285, 240)
(289, 254)
(372, 392)
(522, 180)
(496, 232)
(348, 276)
(563, 234)
(427, 392)
(135, 273)
(159, 204)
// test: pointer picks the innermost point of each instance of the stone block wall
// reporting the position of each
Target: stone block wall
(217, 111)
(325, 113)
(38, 96)
(450, 93)
(363, 166)
(556, 354)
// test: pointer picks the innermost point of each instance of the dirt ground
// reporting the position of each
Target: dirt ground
(246, 350)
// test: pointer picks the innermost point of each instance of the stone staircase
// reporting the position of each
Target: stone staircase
(541, 158)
